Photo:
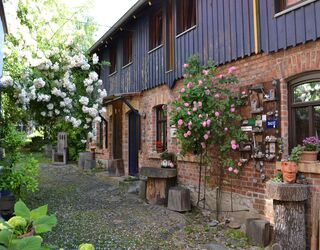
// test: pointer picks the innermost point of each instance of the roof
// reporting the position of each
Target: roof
(3, 18)
(129, 14)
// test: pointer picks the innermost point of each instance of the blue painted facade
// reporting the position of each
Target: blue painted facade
(224, 32)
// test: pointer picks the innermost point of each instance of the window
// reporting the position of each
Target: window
(281, 5)
(127, 49)
(113, 59)
(105, 134)
(304, 108)
(161, 123)
(186, 15)
(155, 30)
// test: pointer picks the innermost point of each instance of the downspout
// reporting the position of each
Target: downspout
(256, 26)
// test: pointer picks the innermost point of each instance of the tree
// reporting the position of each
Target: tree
(205, 117)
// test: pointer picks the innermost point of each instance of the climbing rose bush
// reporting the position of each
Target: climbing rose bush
(206, 114)
(47, 72)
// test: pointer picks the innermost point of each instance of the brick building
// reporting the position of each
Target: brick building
(273, 44)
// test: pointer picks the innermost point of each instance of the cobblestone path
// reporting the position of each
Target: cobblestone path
(90, 209)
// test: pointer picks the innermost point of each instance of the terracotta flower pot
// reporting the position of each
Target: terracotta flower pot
(309, 156)
(289, 171)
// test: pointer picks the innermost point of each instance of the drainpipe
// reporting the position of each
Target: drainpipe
(256, 26)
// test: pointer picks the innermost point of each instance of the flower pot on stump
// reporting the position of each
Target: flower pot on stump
(309, 156)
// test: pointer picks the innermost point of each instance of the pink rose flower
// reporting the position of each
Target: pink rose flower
(239, 164)
(204, 124)
(206, 136)
(217, 95)
(194, 109)
(189, 133)
(200, 104)
(178, 109)
(233, 142)
(236, 171)
(183, 90)
(180, 122)
(200, 82)
(186, 104)
(208, 122)
(189, 85)
(232, 110)
(207, 92)
(234, 146)
(189, 113)
(232, 69)
(205, 72)
(200, 116)
(203, 145)
(221, 76)
(217, 114)
(185, 65)
(230, 169)
(171, 165)
(190, 123)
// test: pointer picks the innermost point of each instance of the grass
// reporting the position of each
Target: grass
(240, 238)
(39, 156)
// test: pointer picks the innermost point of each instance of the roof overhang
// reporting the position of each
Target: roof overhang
(108, 100)
(129, 14)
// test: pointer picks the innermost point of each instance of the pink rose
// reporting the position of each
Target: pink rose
(232, 110)
(200, 104)
(232, 69)
(205, 72)
(233, 142)
(217, 95)
(207, 92)
(189, 113)
(190, 123)
(185, 135)
(185, 65)
(204, 124)
(200, 116)
(236, 171)
(186, 104)
(189, 133)
(180, 122)
(183, 90)
(194, 109)
(203, 145)
(234, 146)
(200, 82)
(226, 129)
(208, 122)
(221, 76)
(189, 85)
(239, 164)
(171, 165)
(206, 136)
(230, 169)
(217, 114)
(178, 109)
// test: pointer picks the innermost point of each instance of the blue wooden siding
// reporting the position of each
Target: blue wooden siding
(298, 26)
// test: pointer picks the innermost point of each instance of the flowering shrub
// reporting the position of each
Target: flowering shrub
(311, 143)
(205, 114)
(47, 72)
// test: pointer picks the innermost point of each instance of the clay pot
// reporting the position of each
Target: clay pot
(289, 171)
(309, 156)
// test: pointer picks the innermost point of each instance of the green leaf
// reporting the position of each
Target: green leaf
(3, 248)
(5, 236)
(45, 223)
(28, 243)
(38, 212)
(22, 210)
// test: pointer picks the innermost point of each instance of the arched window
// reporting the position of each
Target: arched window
(304, 108)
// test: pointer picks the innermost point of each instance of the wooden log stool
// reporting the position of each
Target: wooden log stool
(179, 199)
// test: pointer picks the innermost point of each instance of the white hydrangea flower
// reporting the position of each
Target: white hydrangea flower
(103, 93)
(89, 89)
(90, 134)
(93, 76)
(85, 66)
(99, 82)
(103, 110)
(43, 113)
(95, 58)
(84, 141)
(66, 111)
(87, 82)
(39, 83)
(50, 113)
(55, 67)
(6, 81)
(50, 106)
(84, 100)
(85, 126)
(57, 111)
(97, 119)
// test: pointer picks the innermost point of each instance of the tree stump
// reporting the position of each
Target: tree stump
(159, 181)
(289, 212)
(179, 199)
(83, 157)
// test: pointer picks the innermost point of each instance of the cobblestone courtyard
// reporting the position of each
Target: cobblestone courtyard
(95, 210)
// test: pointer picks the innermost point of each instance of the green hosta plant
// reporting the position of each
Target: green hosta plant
(22, 232)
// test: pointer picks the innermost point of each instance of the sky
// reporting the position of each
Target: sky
(105, 12)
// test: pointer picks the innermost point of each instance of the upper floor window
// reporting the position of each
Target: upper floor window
(155, 30)
(281, 5)
(127, 49)
(113, 59)
(186, 15)
(304, 109)
(161, 128)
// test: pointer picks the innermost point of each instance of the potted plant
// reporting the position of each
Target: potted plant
(168, 160)
(289, 168)
(310, 149)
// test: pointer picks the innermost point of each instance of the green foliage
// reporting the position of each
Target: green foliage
(277, 177)
(295, 154)
(33, 222)
(205, 114)
(168, 156)
(86, 246)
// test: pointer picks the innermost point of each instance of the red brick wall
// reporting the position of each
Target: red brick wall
(252, 70)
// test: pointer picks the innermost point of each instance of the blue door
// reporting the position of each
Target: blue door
(134, 142)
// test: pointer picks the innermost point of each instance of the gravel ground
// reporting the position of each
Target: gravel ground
(95, 210)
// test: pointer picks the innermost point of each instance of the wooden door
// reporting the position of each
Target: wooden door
(134, 142)
(117, 130)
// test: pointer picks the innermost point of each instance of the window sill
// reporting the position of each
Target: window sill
(112, 74)
(186, 31)
(127, 65)
(304, 167)
(297, 6)
(154, 49)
